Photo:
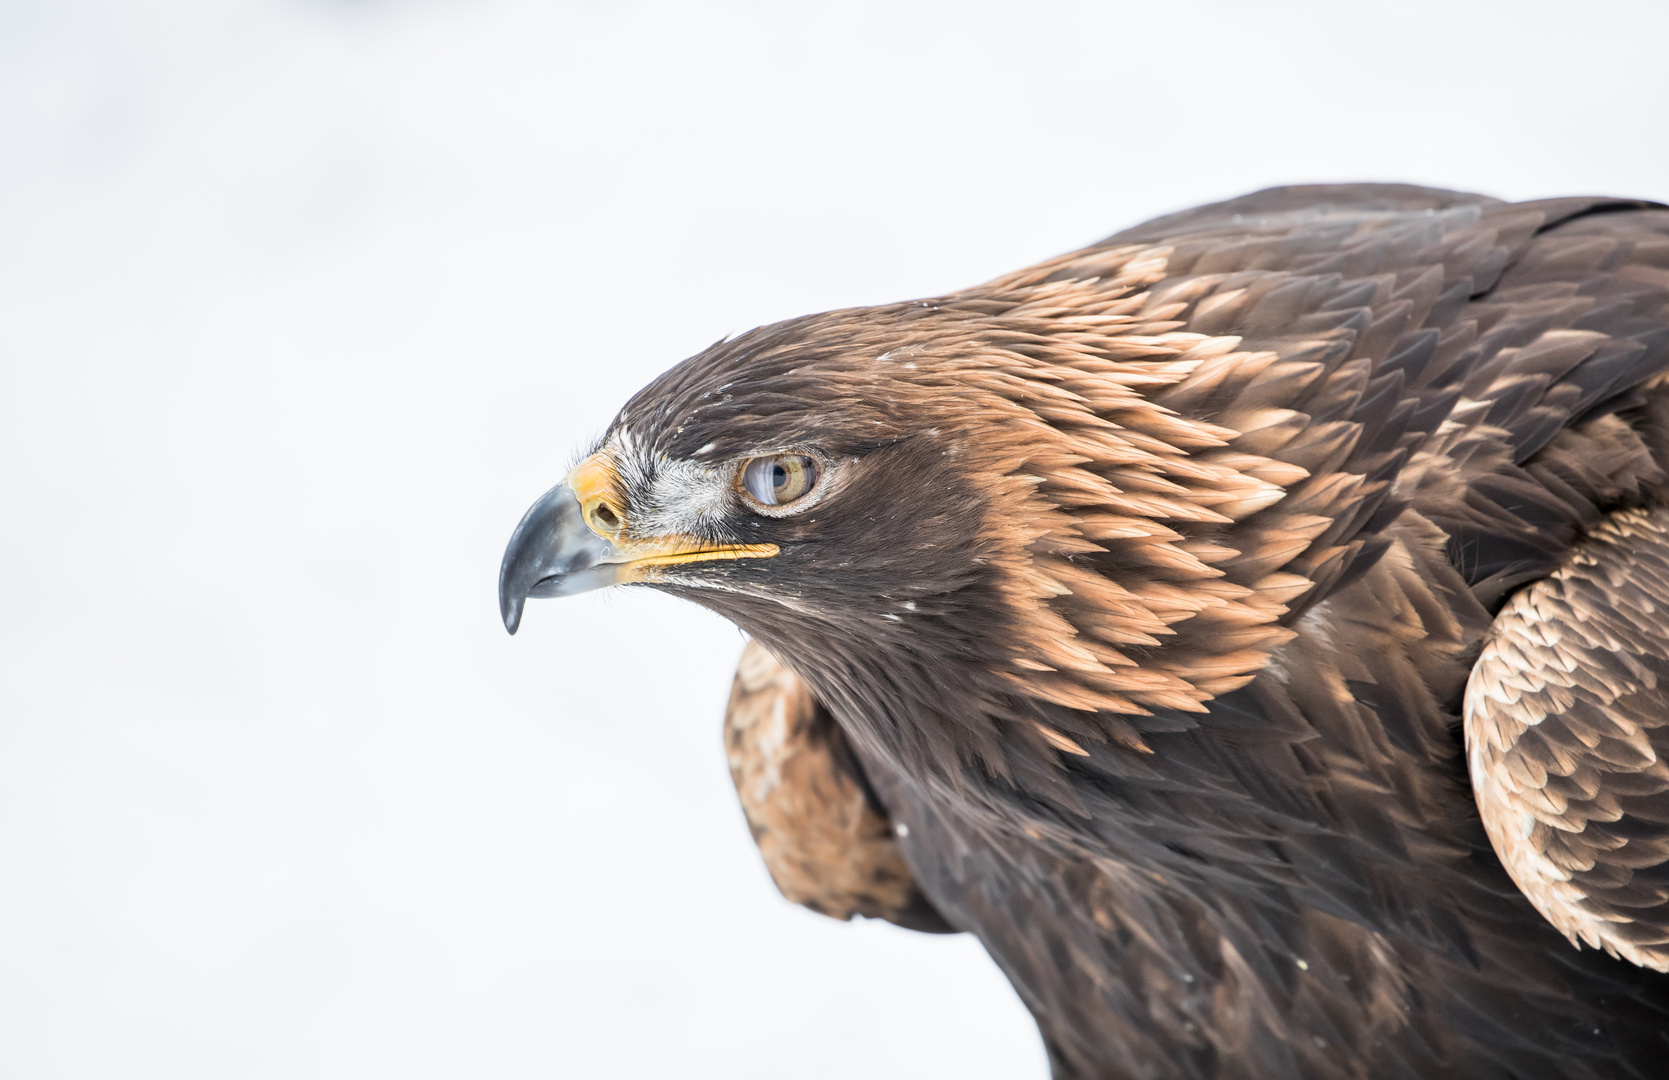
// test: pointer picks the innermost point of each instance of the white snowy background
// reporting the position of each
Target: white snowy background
(302, 304)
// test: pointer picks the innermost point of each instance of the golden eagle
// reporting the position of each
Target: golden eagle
(1254, 627)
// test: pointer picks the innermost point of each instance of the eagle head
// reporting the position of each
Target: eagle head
(984, 499)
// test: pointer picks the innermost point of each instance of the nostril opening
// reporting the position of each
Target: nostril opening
(606, 517)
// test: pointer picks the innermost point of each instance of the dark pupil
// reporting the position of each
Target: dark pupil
(779, 477)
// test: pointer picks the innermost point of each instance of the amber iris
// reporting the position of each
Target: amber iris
(780, 479)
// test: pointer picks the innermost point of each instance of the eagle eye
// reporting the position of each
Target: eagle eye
(779, 480)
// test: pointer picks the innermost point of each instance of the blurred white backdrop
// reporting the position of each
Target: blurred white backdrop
(301, 304)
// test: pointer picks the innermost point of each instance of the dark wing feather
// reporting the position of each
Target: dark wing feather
(1567, 725)
(827, 842)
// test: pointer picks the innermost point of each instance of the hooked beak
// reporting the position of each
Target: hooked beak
(552, 553)
(574, 540)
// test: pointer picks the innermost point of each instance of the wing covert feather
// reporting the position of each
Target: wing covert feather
(1567, 725)
(826, 839)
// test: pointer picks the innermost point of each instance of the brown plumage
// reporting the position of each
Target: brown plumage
(1563, 718)
(827, 841)
(1147, 588)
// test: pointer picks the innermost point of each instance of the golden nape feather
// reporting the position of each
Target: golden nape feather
(1253, 627)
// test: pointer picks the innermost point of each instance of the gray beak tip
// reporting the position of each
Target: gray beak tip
(552, 553)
